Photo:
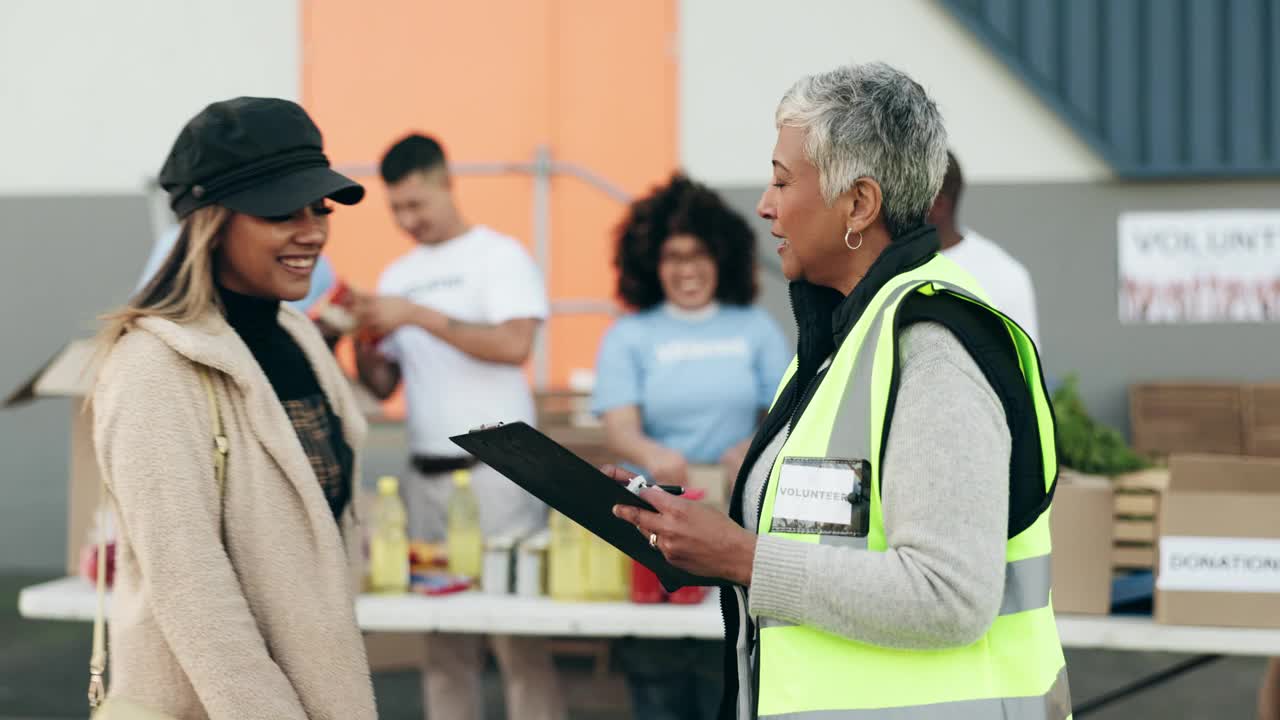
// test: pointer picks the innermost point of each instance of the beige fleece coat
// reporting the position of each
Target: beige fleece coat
(238, 607)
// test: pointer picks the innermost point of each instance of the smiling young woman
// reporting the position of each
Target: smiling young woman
(235, 586)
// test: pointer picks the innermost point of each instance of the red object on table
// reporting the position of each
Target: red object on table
(645, 586)
(692, 595)
(647, 589)
(89, 562)
(436, 583)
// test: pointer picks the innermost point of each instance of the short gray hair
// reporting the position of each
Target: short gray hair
(873, 121)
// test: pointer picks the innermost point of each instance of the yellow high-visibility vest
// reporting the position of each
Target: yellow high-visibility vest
(1014, 672)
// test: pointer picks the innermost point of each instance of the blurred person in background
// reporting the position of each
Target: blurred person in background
(683, 380)
(235, 599)
(1005, 279)
(457, 317)
(887, 552)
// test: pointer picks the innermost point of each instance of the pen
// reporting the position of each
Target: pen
(639, 482)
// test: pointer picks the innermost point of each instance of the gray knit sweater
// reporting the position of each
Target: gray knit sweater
(945, 492)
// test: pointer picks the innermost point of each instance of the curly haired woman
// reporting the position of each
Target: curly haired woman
(683, 380)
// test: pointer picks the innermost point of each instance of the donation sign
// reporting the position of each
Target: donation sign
(1216, 564)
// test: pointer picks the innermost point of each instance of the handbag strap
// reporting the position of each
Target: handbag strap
(221, 447)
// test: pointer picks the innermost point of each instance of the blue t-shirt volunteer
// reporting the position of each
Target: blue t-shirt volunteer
(699, 378)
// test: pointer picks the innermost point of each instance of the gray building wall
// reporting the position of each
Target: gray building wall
(1066, 236)
(63, 261)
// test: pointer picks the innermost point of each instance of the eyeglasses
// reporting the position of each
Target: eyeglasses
(678, 258)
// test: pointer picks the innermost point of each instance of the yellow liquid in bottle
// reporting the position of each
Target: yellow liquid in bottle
(389, 543)
(608, 570)
(465, 541)
(566, 559)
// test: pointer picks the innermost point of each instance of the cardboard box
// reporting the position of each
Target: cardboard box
(561, 418)
(587, 443)
(1262, 420)
(564, 416)
(1133, 557)
(1175, 417)
(711, 480)
(564, 407)
(1219, 554)
(1137, 507)
(1081, 527)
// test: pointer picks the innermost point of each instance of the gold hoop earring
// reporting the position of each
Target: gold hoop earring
(846, 239)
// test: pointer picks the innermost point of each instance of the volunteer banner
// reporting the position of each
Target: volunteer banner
(1210, 266)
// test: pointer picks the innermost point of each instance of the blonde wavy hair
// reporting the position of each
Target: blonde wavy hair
(183, 288)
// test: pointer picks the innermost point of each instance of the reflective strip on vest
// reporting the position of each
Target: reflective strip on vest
(1026, 585)
(851, 432)
(1053, 705)
(808, 674)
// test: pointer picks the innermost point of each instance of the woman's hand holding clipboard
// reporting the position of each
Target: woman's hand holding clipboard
(581, 492)
(691, 536)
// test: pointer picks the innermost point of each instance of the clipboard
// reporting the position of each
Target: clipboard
(573, 486)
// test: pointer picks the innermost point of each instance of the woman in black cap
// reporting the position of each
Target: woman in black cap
(227, 437)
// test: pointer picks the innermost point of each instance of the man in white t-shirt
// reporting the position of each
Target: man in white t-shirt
(457, 316)
(1004, 278)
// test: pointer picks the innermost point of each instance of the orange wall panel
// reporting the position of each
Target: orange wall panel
(616, 116)
(473, 73)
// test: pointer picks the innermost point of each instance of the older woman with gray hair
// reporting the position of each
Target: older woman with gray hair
(887, 549)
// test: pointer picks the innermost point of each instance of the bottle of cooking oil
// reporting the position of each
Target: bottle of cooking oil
(566, 559)
(389, 543)
(608, 571)
(465, 542)
(581, 566)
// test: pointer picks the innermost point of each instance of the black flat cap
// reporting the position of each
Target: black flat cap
(258, 156)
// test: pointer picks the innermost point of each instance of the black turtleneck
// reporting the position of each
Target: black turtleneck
(256, 321)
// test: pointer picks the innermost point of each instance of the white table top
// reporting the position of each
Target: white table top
(73, 599)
